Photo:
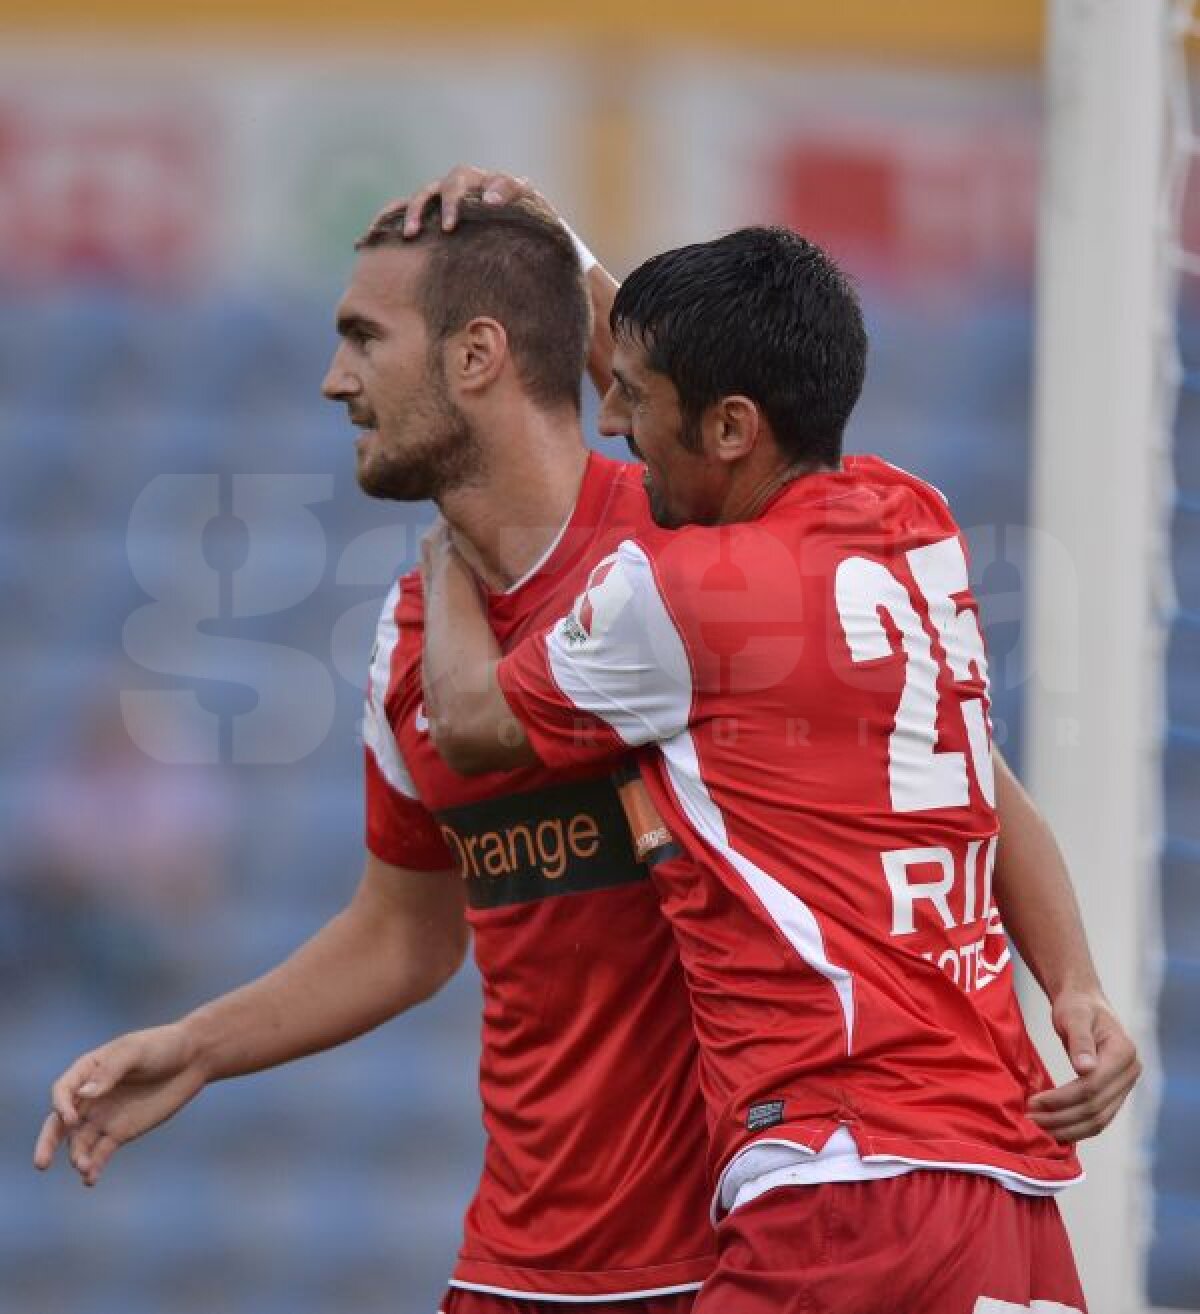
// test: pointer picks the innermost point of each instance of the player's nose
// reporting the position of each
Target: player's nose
(338, 383)
(613, 420)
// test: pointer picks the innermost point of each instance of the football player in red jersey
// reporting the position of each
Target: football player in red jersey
(795, 653)
(594, 1186)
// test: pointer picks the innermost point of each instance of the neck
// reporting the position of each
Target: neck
(505, 521)
(747, 502)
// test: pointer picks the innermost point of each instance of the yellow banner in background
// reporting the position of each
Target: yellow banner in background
(991, 31)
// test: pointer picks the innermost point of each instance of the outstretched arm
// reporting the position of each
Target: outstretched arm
(402, 936)
(1038, 907)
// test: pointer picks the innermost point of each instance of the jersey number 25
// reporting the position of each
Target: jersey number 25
(920, 776)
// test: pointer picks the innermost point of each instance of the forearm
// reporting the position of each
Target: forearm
(1035, 896)
(470, 722)
(361, 968)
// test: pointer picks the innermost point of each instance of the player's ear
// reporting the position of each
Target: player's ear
(476, 354)
(735, 427)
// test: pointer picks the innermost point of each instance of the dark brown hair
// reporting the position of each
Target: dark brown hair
(515, 263)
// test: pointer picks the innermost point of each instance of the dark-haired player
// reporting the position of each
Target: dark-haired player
(801, 667)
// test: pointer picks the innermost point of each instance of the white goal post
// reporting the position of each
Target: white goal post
(1105, 388)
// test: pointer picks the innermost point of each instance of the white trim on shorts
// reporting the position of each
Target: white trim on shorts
(678, 1290)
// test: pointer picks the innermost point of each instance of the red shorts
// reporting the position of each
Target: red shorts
(459, 1301)
(923, 1243)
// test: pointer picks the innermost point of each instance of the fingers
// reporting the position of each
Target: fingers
(1079, 1122)
(114, 1094)
(450, 189)
(51, 1136)
(1079, 1040)
(101, 1151)
(1084, 1107)
(82, 1144)
(89, 1147)
(68, 1089)
(426, 562)
(1096, 1089)
(416, 208)
(87, 1080)
(90, 1077)
(1076, 1016)
(413, 206)
(500, 188)
(1060, 1103)
(1106, 1061)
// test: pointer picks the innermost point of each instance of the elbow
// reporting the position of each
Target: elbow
(461, 747)
(440, 958)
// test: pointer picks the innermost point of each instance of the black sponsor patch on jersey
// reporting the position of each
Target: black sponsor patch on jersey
(767, 1114)
(564, 839)
(652, 841)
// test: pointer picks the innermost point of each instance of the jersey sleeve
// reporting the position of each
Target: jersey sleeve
(611, 675)
(399, 828)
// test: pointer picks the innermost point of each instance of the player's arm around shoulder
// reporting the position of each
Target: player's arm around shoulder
(401, 937)
(601, 680)
(470, 722)
(611, 675)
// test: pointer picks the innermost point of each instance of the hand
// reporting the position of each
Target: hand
(1105, 1060)
(497, 188)
(437, 549)
(116, 1093)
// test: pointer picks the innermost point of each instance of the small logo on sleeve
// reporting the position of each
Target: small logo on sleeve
(597, 608)
(587, 611)
(767, 1114)
(572, 632)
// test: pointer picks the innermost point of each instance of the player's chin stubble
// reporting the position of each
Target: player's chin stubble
(447, 458)
(659, 511)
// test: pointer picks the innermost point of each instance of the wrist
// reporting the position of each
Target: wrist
(587, 260)
(198, 1043)
(1076, 988)
(1069, 970)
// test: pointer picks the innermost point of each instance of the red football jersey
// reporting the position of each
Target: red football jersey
(814, 685)
(594, 1180)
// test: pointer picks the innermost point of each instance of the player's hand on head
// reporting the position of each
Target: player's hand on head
(114, 1094)
(497, 188)
(1106, 1063)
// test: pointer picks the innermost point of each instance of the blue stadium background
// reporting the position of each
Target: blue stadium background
(129, 892)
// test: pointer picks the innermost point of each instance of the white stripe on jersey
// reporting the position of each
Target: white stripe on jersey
(620, 656)
(788, 911)
(376, 728)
